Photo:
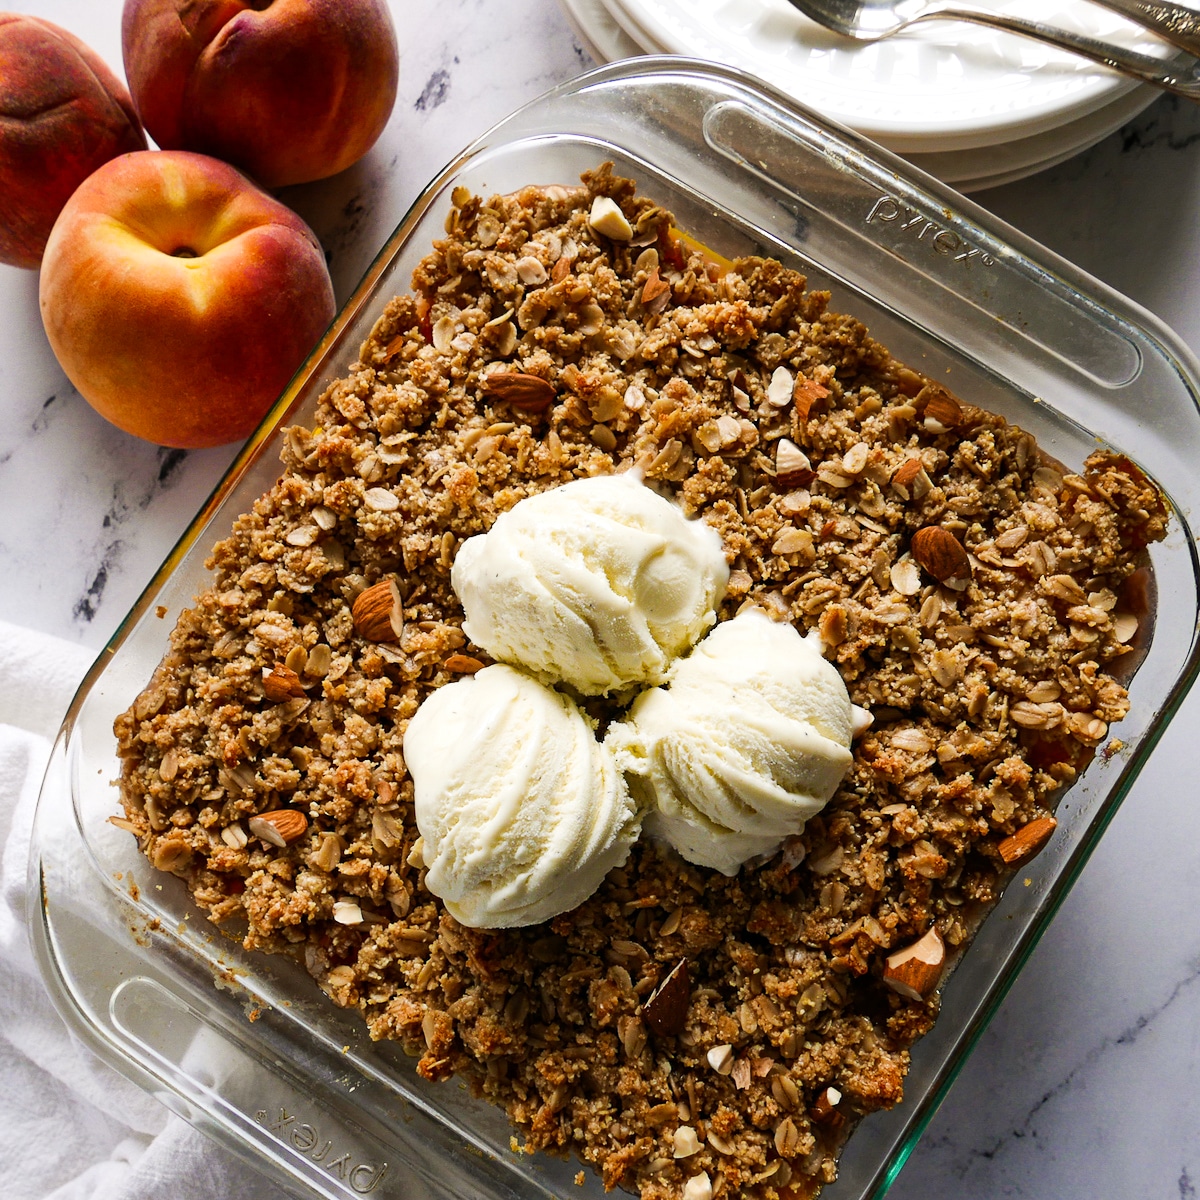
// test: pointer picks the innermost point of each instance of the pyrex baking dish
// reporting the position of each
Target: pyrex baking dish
(246, 1047)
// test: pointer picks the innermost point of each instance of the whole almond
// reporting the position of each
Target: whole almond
(281, 683)
(665, 1011)
(942, 555)
(378, 612)
(939, 405)
(1027, 841)
(607, 218)
(805, 393)
(280, 827)
(914, 971)
(464, 664)
(528, 393)
(905, 474)
(825, 1107)
(656, 293)
(792, 468)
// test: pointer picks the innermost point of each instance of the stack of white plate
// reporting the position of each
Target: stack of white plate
(974, 106)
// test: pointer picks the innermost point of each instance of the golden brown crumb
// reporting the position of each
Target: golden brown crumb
(817, 457)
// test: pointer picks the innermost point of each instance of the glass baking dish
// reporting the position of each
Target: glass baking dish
(246, 1047)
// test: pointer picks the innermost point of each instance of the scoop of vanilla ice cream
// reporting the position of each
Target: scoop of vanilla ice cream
(749, 738)
(523, 812)
(599, 583)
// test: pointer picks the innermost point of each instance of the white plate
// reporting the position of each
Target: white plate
(990, 166)
(938, 87)
(599, 32)
(968, 170)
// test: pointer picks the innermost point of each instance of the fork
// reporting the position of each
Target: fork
(1172, 22)
(871, 20)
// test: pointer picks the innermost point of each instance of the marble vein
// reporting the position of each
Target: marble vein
(1127, 1037)
(1167, 124)
(435, 91)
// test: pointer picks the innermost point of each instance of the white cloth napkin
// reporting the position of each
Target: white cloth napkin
(73, 1129)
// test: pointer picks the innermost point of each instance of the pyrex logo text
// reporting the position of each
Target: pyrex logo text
(363, 1177)
(888, 210)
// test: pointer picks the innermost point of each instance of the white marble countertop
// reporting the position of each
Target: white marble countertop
(1087, 1083)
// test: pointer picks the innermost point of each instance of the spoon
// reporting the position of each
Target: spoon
(871, 20)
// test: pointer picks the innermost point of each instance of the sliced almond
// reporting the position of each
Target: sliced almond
(1027, 841)
(234, 836)
(942, 555)
(855, 459)
(302, 535)
(1051, 480)
(672, 923)
(530, 271)
(444, 330)
(347, 912)
(528, 393)
(1087, 728)
(915, 742)
(729, 429)
(379, 499)
(905, 576)
(829, 473)
(720, 1058)
(280, 827)
(720, 1144)
(320, 659)
(325, 518)
(282, 683)
(665, 1011)
(1125, 626)
(1012, 539)
(793, 541)
(378, 612)
(914, 971)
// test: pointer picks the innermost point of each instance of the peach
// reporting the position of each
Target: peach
(179, 298)
(287, 90)
(62, 114)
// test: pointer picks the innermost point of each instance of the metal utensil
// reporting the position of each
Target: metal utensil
(1172, 22)
(871, 20)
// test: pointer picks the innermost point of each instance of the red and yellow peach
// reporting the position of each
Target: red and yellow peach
(287, 90)
(179, 298)
(63, 113)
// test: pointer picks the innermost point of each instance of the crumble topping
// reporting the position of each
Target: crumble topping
(263, 764)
